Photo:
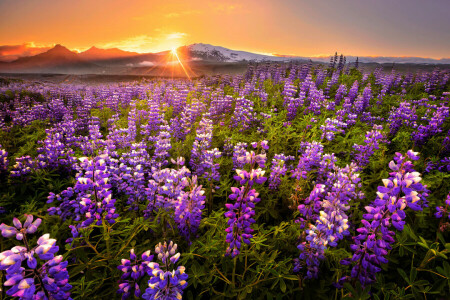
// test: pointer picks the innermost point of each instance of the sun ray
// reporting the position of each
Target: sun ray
(174, 53)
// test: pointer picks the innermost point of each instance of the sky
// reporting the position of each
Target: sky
(291, 27)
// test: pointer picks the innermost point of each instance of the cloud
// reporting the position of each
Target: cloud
(183, 13)
(172, 15)
(146, 64)
(225, 7)
(135, 43)
(13, 52)
(162, 41)
(176, 35)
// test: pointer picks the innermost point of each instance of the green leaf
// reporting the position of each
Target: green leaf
(282, 285)
(403, 274)
(412, 275)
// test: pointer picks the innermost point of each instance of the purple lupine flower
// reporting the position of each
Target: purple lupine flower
(331, 128)
(372, 142)
(134, 269)
(278, 169)
(163, 283)
(401, 190)
(329, 225)
(310, 158)
(19, 230)
(443, 212)
(404, 115)
(35, 279)
(90, 200)
(188, 210)
(240, 219)
(4, 162)
(162, 147)
(164, 188)
(425, 132)
(202, 158)
(240, 213)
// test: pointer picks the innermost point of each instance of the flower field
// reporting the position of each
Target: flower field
(291, 181)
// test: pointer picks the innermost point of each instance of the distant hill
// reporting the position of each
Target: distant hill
(57, 59)
(95, 53)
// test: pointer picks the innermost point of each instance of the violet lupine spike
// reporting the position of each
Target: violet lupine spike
(164, 283)
(240, 213)
(373, 242)
(240, 217)
(331, 128)
(278, 169)
(164, 188)
(329, 225)
(188, 210)
(27, 277)
(4, 162)
(310, 158)
(201, 144)
(239, 150)
(435, 122)
(340, 94)
(162, 147)
(362, 153)
(404, 115)
(443, 213)
(90, 200)
(244, 116)
(134, 269)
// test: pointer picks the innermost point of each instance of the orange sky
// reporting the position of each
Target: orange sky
(297, 27)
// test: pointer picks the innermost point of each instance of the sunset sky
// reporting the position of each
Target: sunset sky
(296, 27)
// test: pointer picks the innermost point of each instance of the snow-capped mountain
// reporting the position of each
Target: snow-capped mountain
(208, 52)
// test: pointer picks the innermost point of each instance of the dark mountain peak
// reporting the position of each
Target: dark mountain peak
(59, 49)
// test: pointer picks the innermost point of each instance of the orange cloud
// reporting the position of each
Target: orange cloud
(13, 52)
(145, 43)
(182, 13)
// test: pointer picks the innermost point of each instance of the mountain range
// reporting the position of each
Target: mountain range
(197, 57)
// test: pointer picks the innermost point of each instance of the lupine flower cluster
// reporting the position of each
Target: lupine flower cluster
(424, 132)
(164, 188)
(163, 283)
(278, 169)
(331, 128)
(188, 210)
(324, 211)
(372, 142)
(400, 191)
(404, 115)
(239, 150)
(310, 158)
(134, 269)
(4, 162)
(90, 200)
(240, 212)
(33, 272)
(162, 146)
(443, 212)
(202, 144)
